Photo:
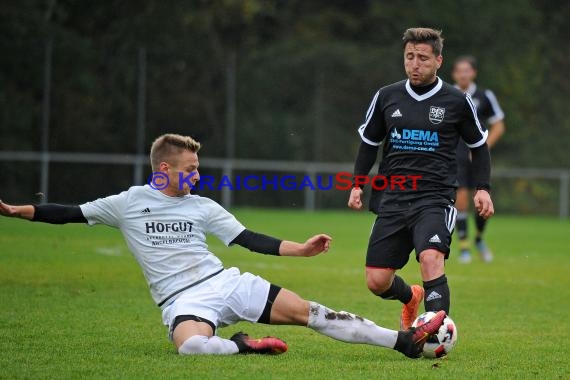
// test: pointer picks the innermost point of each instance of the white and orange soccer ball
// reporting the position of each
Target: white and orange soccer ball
(442, 343)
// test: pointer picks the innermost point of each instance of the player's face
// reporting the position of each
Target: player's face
(421, 63)
(463, 74)
(182, 172)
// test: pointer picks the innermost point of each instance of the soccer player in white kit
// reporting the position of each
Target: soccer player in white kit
(166, 232)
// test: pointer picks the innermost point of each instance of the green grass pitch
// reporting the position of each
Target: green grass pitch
(74, 304)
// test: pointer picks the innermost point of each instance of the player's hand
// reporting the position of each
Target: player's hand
(316, 244)
(355, 201)
(483, 204)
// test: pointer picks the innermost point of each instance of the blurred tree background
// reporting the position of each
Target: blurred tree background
(305, 74)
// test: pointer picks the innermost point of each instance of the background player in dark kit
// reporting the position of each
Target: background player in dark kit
(419, 121)
(489, 112)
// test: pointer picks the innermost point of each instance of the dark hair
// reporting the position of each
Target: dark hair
(428, 36)
(466, 58)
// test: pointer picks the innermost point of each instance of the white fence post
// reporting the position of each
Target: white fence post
(46, 104)
(309, 194)
(141, 116)
(564, 190)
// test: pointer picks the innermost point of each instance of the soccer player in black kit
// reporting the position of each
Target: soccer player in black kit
(490, 113)
(419, 121)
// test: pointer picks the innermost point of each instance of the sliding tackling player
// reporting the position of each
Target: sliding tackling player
(166, 232)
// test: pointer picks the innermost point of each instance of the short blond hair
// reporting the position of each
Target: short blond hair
(428, 36)
(168, 146)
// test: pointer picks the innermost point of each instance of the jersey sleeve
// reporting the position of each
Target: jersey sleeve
(373, 130)
(470, 129)
(495, 111)
(108, 211)
(222, 224)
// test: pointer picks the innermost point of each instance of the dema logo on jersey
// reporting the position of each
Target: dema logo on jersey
(414, 139)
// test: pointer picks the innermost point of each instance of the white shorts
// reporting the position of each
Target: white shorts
(224, 299)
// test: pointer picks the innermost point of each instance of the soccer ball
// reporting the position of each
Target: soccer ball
(440, 344)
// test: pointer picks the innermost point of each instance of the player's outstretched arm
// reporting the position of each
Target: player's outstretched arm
(268, 245)
(312, 247)
(49, 213)
(23, 212)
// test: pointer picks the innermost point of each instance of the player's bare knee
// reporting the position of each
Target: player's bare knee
(431, 257)
(289, 308)
(431, 263)
(378, 281)
(378, 285)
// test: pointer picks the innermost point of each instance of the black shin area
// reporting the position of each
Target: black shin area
(480, 222)
(461, 226)
(436, 295)
(182, 318)
(399, 290)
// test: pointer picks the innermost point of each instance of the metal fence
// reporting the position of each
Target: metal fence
(303, 132)
(511, 180)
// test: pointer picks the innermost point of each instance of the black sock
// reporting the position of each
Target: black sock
(461, 225)
(399, 290)
(436, 295)
(480, 222)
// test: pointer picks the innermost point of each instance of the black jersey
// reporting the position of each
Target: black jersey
(488, 109)
(420, 135)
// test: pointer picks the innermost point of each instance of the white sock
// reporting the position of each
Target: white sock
(348, 327)
(200, 344)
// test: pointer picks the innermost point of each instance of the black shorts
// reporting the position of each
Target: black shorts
(464, 171)
(400, 228)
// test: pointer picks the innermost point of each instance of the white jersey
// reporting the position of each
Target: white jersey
(167, 235)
